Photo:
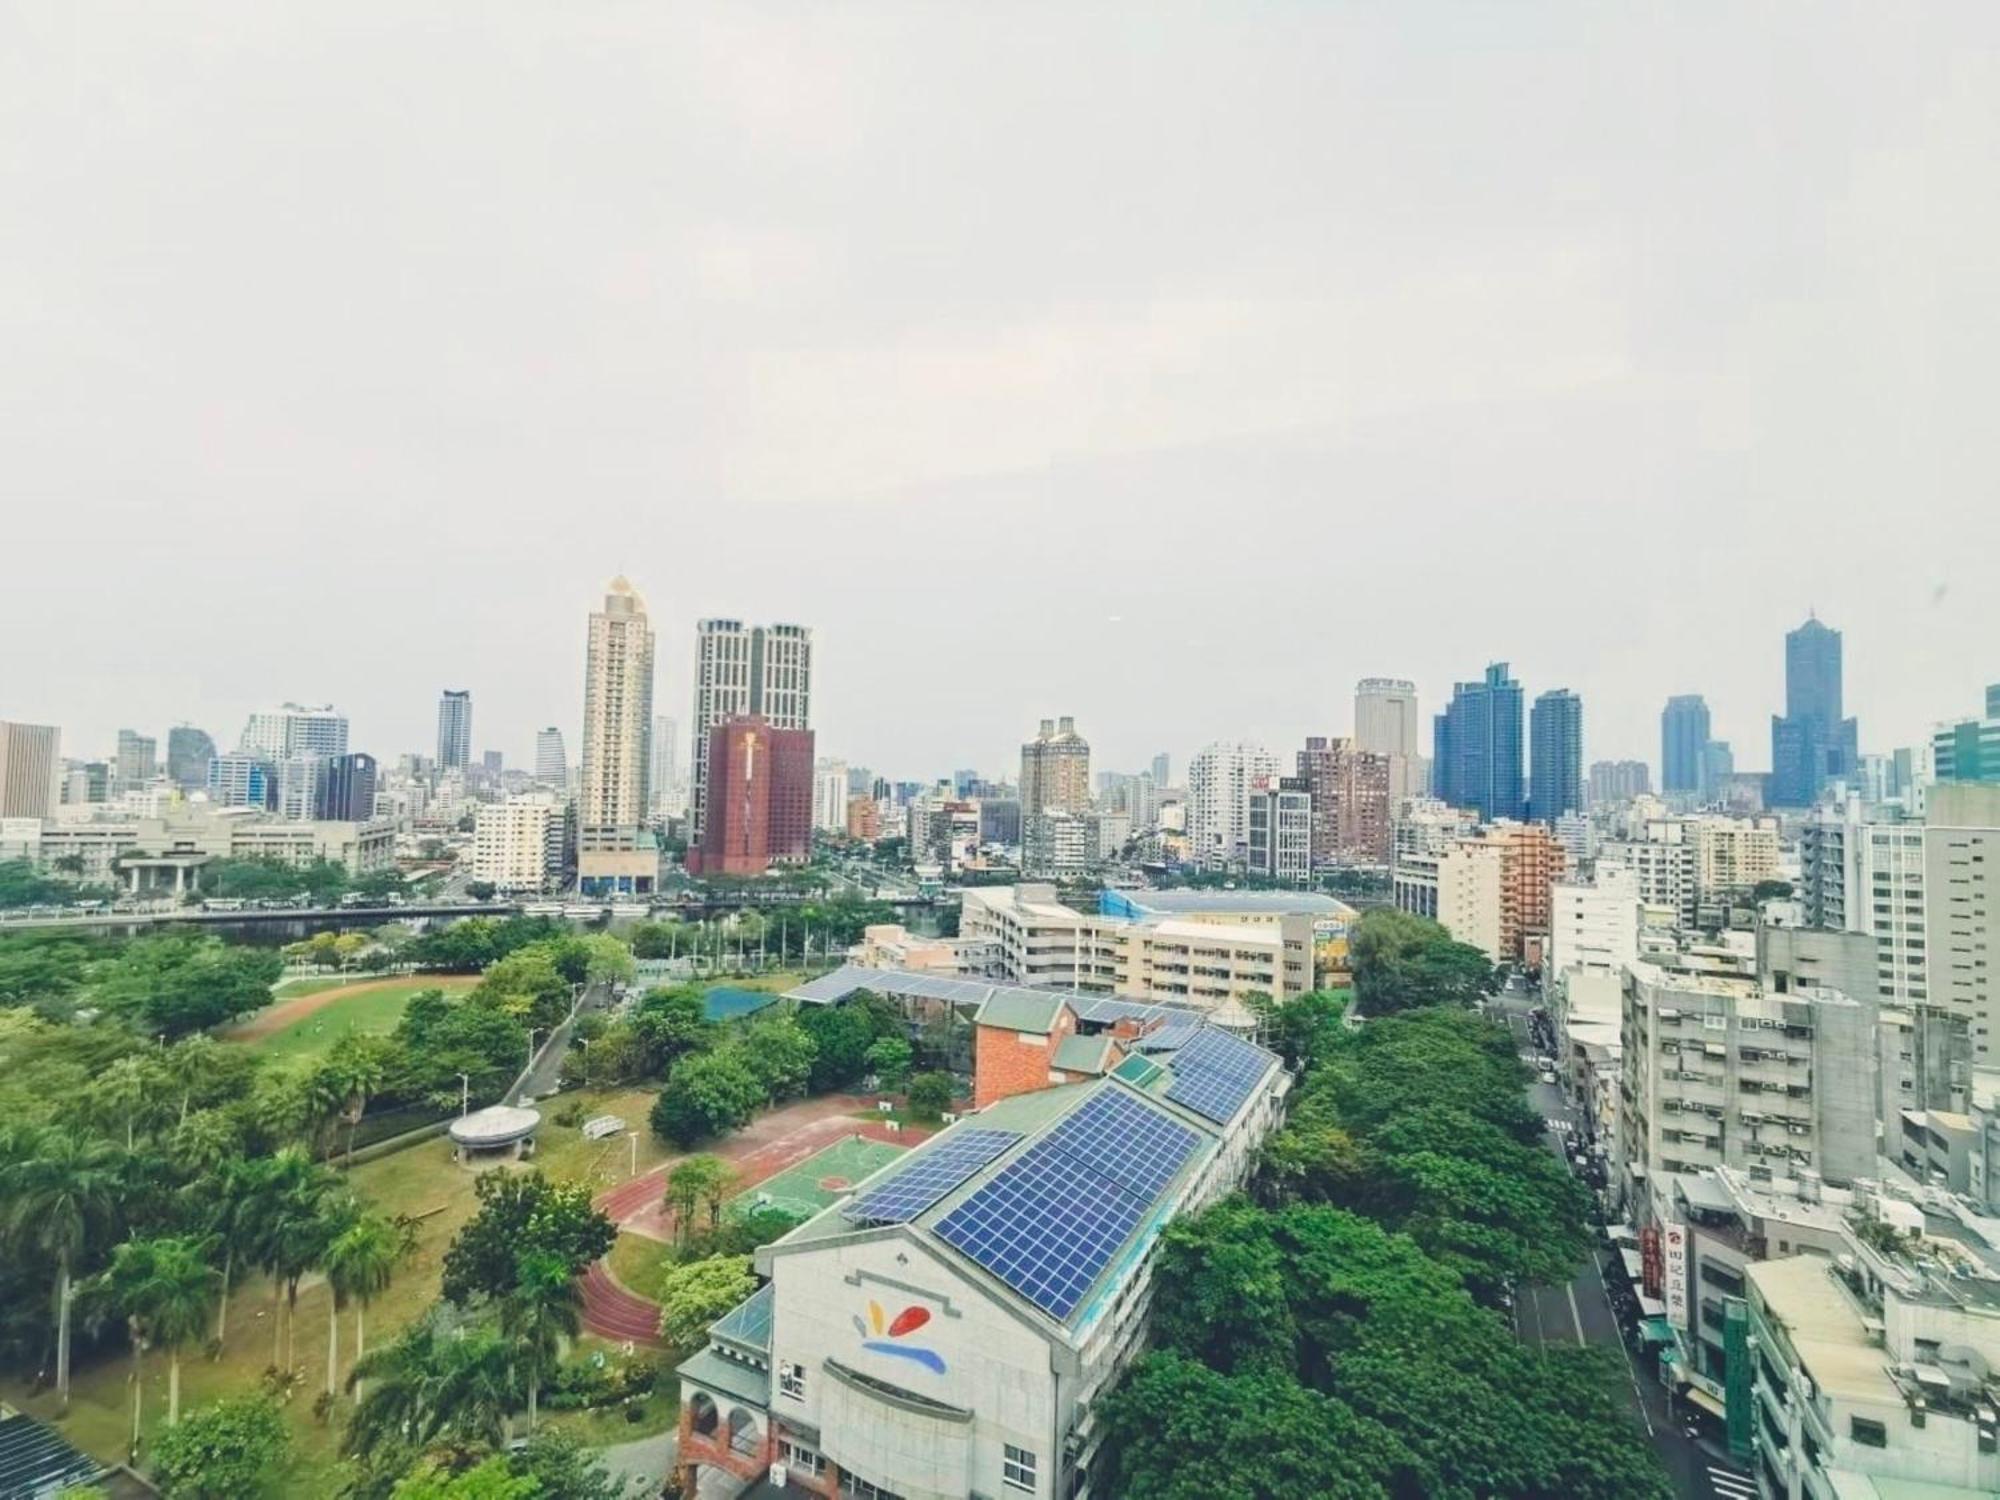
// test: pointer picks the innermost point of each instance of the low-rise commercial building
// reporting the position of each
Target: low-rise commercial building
(1206, 948)
(945, 1329)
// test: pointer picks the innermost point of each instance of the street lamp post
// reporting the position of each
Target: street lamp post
(586, 1062)
(464, 1094)
(633, 1136)
(533, 1032)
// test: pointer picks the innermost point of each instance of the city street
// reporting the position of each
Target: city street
(1581, 1310)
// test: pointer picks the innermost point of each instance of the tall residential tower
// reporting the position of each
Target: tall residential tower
(454, 747)
(742, 670)
(1477, 744)
(615, 853)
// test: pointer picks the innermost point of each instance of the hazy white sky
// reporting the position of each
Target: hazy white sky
(1170, 366)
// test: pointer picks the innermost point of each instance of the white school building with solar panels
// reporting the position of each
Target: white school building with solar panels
(944, 1329)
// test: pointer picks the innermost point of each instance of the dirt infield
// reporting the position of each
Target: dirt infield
(275, 1018)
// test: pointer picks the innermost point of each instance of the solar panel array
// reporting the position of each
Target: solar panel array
(1118, 1137)
(934, 1173)
(1215, 1072)
(1050, 1222)
(1166, 1038)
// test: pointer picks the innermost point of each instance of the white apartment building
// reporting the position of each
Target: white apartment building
(1220, 780)
(551, 765)
(745, 669)
(944, 1329)
(277, 734)
(1663, 865)
(1469, 881)
(1873, 1377)
(830, 796)
(1156, 945)
(511, 842)
(1594, 924)
(1281, 832)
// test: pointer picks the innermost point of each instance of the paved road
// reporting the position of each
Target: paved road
(1580, 1311)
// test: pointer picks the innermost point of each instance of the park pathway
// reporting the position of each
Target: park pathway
(768, 1145)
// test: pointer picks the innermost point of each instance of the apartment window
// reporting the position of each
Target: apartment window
(1017, 1468)
(1868, 1433)
(792, 1380)
(801, 1457)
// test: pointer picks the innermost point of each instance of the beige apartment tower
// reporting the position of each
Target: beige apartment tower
(614, 854)
(30, 769)
(1055, 770)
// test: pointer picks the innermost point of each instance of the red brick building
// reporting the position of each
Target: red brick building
(760, 798)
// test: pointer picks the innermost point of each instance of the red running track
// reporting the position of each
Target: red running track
(770, 1145)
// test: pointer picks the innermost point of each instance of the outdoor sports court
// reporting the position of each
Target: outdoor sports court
(823, 1177)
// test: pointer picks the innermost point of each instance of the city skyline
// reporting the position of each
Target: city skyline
(1654, 343)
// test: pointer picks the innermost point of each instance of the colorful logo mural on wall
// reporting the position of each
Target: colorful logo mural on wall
(886, 1337)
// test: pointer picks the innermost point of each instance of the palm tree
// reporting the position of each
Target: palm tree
(203, 1141)
(356, 1068)
(545, 1307)
(162, 1288)
(425, 1386)
(291, 1233)
(62, 1199)
(191, 1066)
(124, 1089)
(235, 1195)
(360, 1265)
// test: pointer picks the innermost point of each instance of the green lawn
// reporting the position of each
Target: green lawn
(372, 1010)
(640, 1263)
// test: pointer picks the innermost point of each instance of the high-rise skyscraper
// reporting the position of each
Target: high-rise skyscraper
(1477, 746)
(1618, 781)
(551, 765)
(347, 789)
(1812, 741)
(30, 769)
(761, 798)
(454, 751)
(1220, 781)
(1555, 764)
(1386, 723)
(189, 750)
(615, 855)
(1163, 766)
(1351, 802)
(1969, 749)
(291, 729)
(1684, 734)
(742, 670)
(136, 757)
(666, 757)
(1055, 770)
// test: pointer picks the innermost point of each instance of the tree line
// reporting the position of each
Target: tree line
(1340, 1328)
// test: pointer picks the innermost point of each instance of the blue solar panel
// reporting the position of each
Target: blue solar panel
(933, 1174)
(1167, 1038)
(1215, 1072)
(1046, 1226)
(1117, 1136)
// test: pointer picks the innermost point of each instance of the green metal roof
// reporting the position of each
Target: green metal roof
(1083, 1054)
(1021, 1010)
(727, 1377)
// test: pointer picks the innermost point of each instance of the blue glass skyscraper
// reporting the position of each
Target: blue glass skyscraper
(1811, 742)
(1684, 732)
(1476, 745)
(1555, 767)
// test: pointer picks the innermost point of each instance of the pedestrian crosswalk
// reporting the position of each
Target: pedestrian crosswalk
(1731, 1485)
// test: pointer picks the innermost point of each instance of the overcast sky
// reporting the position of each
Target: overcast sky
(1168, 366)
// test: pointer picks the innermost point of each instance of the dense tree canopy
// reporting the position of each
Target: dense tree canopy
(522, 1214)
(1403, 961)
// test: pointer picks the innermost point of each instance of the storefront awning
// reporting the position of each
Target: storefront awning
(1652, 1307)
(1706, 1402)
(1656, 1331)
